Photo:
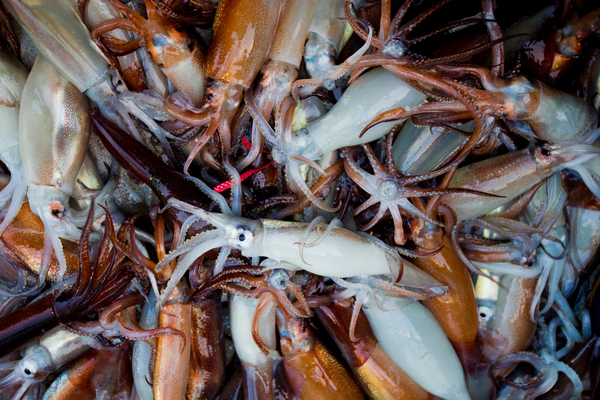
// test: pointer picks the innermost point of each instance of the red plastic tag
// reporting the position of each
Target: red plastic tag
(226, 185)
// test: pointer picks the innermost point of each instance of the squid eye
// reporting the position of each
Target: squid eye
(27, 371)
(545, 152)
(56, 212)
(242, 237)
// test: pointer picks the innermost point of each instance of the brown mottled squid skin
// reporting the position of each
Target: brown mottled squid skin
(242, 35)
(172, 359)
(508, 175)
(105, 372)
(455, 311)
(24, 237)
(172, 356)
(378, 375)
(313, 371)
(207, 363)
(511, 329)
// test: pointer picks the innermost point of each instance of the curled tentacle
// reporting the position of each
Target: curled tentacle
(112, 319)
(334, 73)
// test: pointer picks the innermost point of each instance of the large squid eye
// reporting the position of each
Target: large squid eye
(243, 237)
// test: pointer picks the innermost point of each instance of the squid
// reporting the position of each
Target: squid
(392, 36)
(511, 175)
(391, 191)
(171, 48)
(13, 75)
(374, 370)
(411, 336)
(324, 250)
(55, 349)
(61, 37)
(327, 34)
(284, 58)
(100, 281)
(54, 132)
(317, 374)
(94, 12)
(533, 109)
(341, 126)
(102, 372)
(242, 35)
(258, 367)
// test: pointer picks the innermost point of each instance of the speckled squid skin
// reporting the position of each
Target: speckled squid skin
(456, 310)
(207, 363)
(511, 329)
(314, 372)
(59, 35)
(172, 358)
(292, 31)
(378, 375)
(100, 374)
(242, 35)
(508, 175)
(54, 130)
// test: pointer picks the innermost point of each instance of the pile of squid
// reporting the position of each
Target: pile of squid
(314, 199)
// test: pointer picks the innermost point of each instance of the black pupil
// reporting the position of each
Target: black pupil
(545, 152)
(242, 237)
(27, 371)
(55, 212)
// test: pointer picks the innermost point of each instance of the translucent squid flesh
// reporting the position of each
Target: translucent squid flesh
(328, 32)
(421, 149)
(258, 367)
(142, 355)
(61, 37)
(357, 107)
(54, 133)
(13, 75)
(510, 175)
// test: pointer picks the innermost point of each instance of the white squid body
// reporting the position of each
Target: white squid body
(421, 149)
(13, 76)
(54, 132)
(342, 254)
(414, 340)
(368, 96)
(328, 250)
(60, 36)
(255, 362)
